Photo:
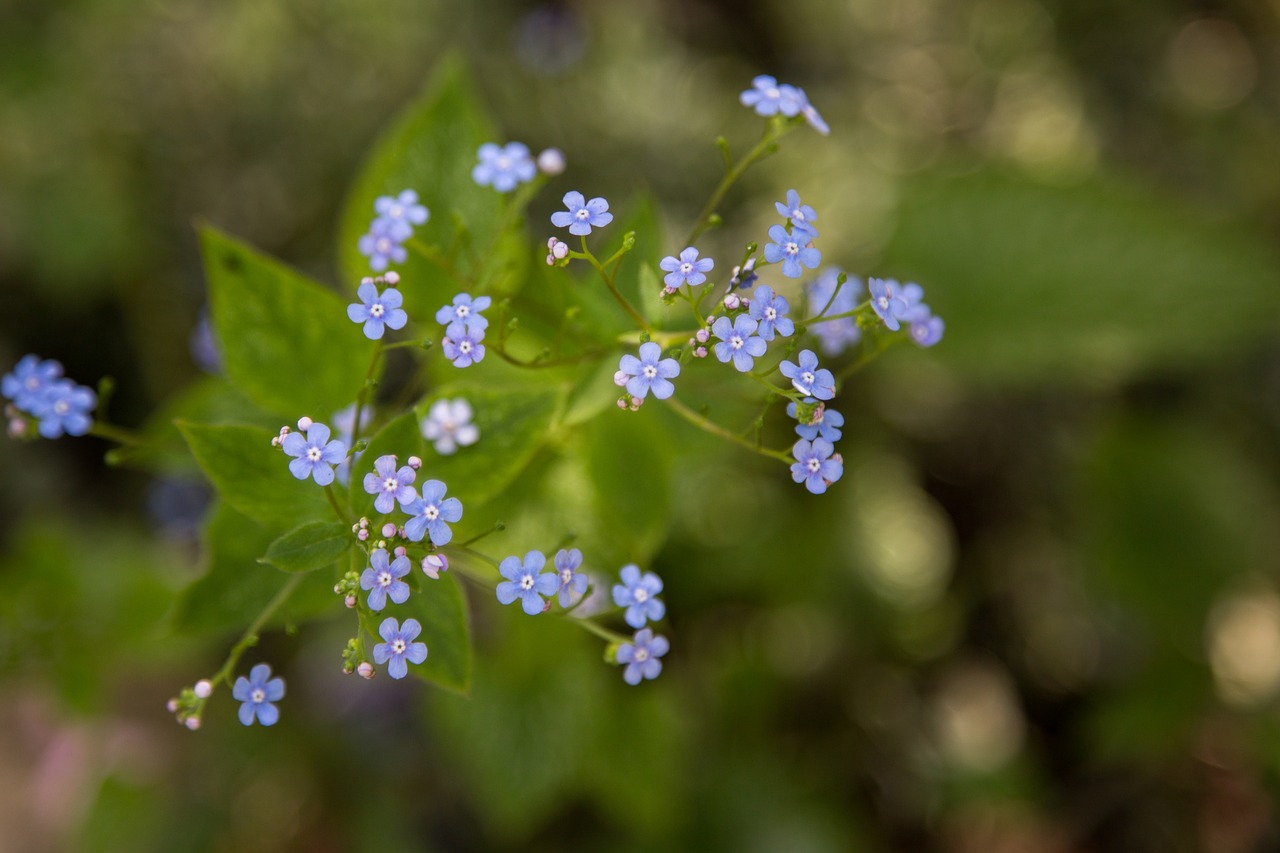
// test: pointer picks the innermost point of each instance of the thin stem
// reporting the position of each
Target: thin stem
(498, 526)
(608, 282)
(250, 636)
(774, 131)
(774, 389)
(546, 362)
(856, 312)
(431, 254)
(337, 508)
(603, 633)
(715, 429)
(364, 392)
(116, 434)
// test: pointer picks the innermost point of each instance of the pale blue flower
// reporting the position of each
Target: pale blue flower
(769, 310)
(430, 514)
(389, 484)
(383, 579)
(399, 646)
(400, 213)
(641, 656)
(687, 269)
(378, 311)
(807, 378)
(526, 581)
(315, 455)
(258, 692)
(792, 250)
(582, 215)
(571, 582)
(815, 464)
(503, 168)
(639, 595)
(738, 341)
(649, 372)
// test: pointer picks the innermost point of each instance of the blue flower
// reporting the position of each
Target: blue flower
(743, 277)
(887, 302)
(641, 656)
(807, 109)
(801, 215)
(835, 335)
(430, 512)
(926, 329)
(792, 250)
(382, 579)
(462, 345)
(257, 692)
(687, 269)
(526, 582)
(571, 581)
(826, 423)
(649, 373)
(765, 96)
(399, 646)
(63, 407)
(399, 214)
(315, 455)
(807, 378)
(389, 484)
(465, 310)
(503, 168)
(381, 246)
(378, 312)
(638, 594)
(30, 377)
(770, 313)
(448, 426)
(815, 465)
(738, 341)
(582, 215)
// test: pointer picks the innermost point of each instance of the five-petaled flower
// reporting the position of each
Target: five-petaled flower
(461, 344)
(649, 372)
(687, 269)
(315, 455)
(807, 378)
(526, 581)
(641, 656)
(816, 465)
(431, 512)
(887, 301)
(738, 341)
(638, 593)
(503, 167)
(383, 579)
(258, 692)
(30, 376)
(399, 646)
(63, 407)
(801, 215)
(378, 311)
(389, 484)
(790, 247)
(448, 426)
(582, 215)
(769, 310)
(381, 246)
(465, 310)
(400, 213)
(570, 581)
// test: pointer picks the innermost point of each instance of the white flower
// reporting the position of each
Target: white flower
(448, 426)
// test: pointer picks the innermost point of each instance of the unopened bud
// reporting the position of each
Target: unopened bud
(389, 530)
(415, 463)
(381, 543)
(275, 440)
(620, 378)
(434, 564)
(703, 335)
(400, 532)
(636, 403)
(203, 689)
(391, 277)
(350, 601)
(192, 722)
(732, 302)
(366, 670)
(700, 352)
(551, 161)
(363, 535)
(172, 705)
(401, 551)
(304, 423)
(622, 403)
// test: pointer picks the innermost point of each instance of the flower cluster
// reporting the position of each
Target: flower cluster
(768, 97)
(464, 329)
(37, 389)
(525, 580)
(391, 227)
(896, 304)
(505, 167)
(793, 247)
(638, 594)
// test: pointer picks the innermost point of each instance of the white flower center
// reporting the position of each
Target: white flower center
(431, 513)
(33, 383)
(640, 594)
(503, 163)
(314, 454)
(797, 215)
(640, 655)
(566, 575)
(735, 342)
(807, 378)
(376, 310)
(258, 696)
(792, 248)
(772, 92)
(771, 314)
(384, 579)
(686, 268)
(396, 211)
(883, 302)
(526, 582)
(61, 407)
(814, 465)
(464, 346)
(650, 371)
(390, 484)
(383, 246)
(583, 214)
(463, 311)
(398, 646)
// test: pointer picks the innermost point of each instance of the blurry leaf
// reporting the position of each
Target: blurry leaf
(431, 149)
(661, 315)
(631, 502)
(594, 394)
(401, 438)
(1153, 715)
(286, 341)
(309, 547)
(235, 587)
(441, 609)
(1090, 283)
(253, 476)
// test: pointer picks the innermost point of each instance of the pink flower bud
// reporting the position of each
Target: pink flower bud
(391, 277)
(636, 403)
(415, 463)
(622, 403)
(304, 423)
(389, 530)
(203, 689)
(364, 521)
(703, 336)
(365, 669)
(192, 723)
(350, 601)
(172, 705)
(732, 302)
(401, 551)
(551, 161)
(620, 378)
(363, 535)
(700, 352)
(434, 564)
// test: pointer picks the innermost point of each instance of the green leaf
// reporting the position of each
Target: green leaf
(235, 587)
(441, 608)
(309, 547)
(401, 438)
(286, 341)
(631, 502)
(253, 476)
(431, 148)
(1091, 283)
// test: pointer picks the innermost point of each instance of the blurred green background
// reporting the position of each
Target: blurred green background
(1041, 612)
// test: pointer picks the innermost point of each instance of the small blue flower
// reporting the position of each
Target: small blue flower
(30, 377)
(381, 247)
(571, 581)
(770, 311)
(503, 168)
(649, 373)
(738, 341)
(526, 582)
(807, 378)
(63, 407)
(430, 512)
(448, 426)
(389, 484)
(378, 311)
(765, 96)
(687, 269)
(382, 579)
(582, 215)
(807, 109)
(257, 692)
(641, 656)
(815, 464)
(462, 345)
(400, 213)
(835, 335)
(638, 594)
(826, 423)
(399, 646)
(886, 301)
(801, 215)
(465, 310)
(791, 249)
(315, 454)
(926, 329)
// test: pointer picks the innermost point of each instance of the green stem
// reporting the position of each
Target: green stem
(603, 633)
(116, 434)
(773, 131)
(431, 254)
(364, 392)
(250, 636)
(498, 526)
(333, 502)
(617, 294)
(715, 429)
